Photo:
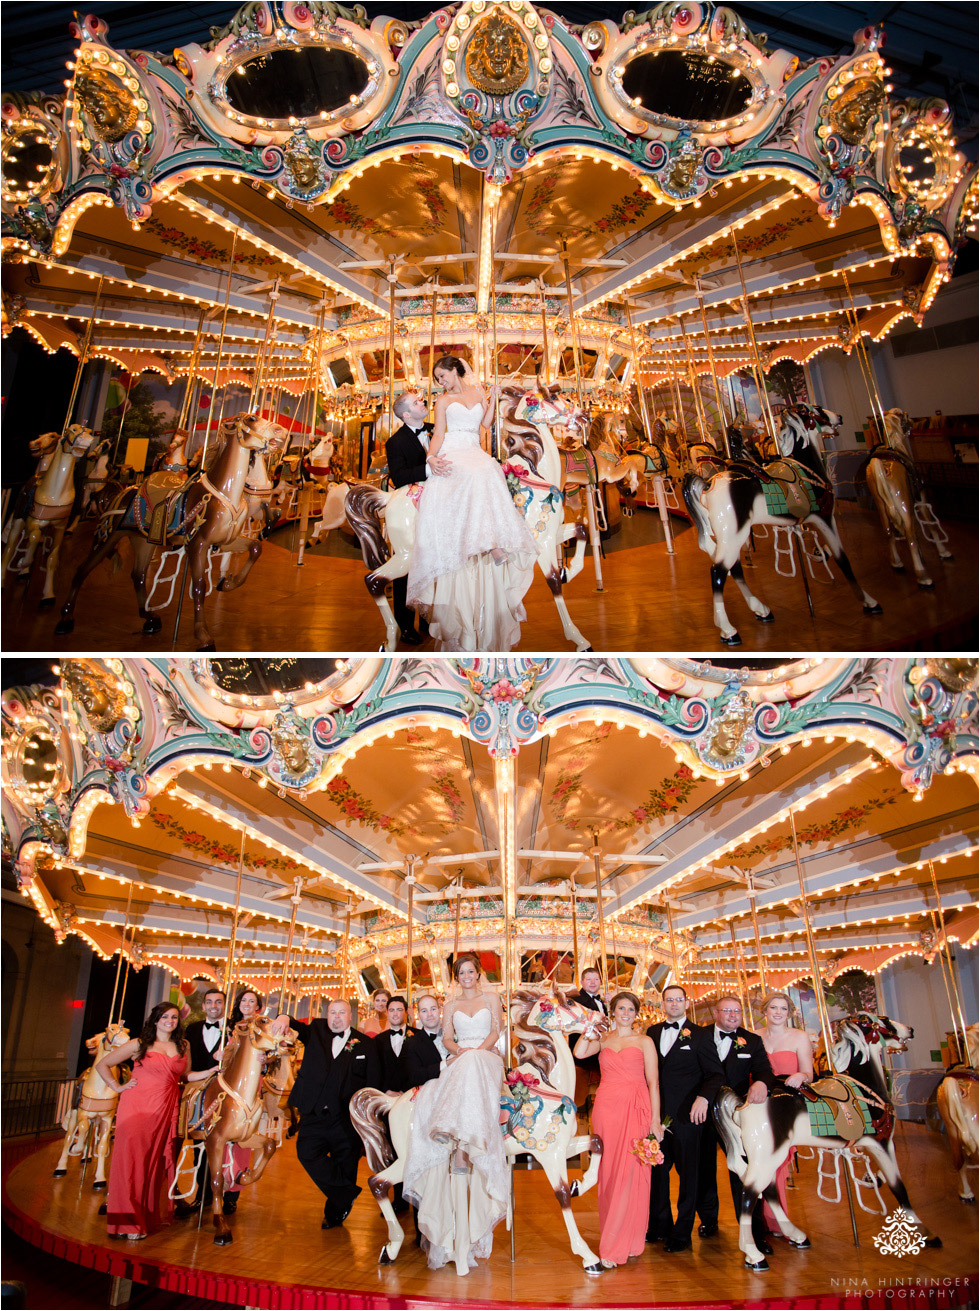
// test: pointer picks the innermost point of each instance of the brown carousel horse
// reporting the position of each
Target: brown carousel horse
(88, 1125)
(849, 1109)
(229, 1107)
(894, 485)
(957, 1099)
(169, 511)
(49, 507)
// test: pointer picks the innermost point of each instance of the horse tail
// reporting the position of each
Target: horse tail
(692, 491)
(728, 1131)
(952, 1102)
(364, 507)
(367, 1107)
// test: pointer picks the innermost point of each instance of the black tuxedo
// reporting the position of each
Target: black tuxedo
(200, 1057)
(420, 1058)
(746, 1062)
(591, 1004)
(393, 1072)
(690, 1069)
(327, 1144)
(406, 464)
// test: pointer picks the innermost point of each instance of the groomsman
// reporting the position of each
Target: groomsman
(746, 1070)
(690, 1077)
(204, 1049)
(337, 1062)
(424, 1055)
(587, 1075)
(391, 1046)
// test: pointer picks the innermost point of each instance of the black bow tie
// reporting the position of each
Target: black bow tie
(726, 1033)
(211, 1024)
(671, 1024)
(396, 1030)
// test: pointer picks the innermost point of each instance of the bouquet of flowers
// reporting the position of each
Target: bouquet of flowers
(647, 1150)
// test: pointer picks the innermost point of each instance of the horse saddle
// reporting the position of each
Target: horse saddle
(886, 455)
(836, 1111)
(787, 490)
(156, 502)
(580, 460)
(653, 459)
(190, 1112)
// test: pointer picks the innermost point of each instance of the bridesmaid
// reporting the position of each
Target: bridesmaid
(376, 1020)
(144, 1157)
(627, 1107)
(791, 1058)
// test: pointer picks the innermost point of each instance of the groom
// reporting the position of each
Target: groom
(407, 451)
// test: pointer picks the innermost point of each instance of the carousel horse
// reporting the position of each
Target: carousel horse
(605, 443)
(42, 448)
(88, 1125)
(169, 511)
(277, 1084)
(792, 490)
(957, 1099)
(228, 1107)
(894, 486)
(49, 508)
(532, 466)
(332, 515)
(848, 1109)
(538, 1117)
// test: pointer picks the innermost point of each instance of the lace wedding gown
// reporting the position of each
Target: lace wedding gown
(471, 602)
(461, 1107)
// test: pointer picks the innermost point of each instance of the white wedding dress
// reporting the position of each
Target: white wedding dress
(461, 1107)
(471, 602)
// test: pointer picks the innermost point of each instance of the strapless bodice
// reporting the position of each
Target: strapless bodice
(471, 1030)
(463, 425)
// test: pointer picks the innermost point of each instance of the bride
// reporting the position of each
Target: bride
(474, 554)
(457, 1126)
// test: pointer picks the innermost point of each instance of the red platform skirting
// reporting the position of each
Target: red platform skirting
(282, 1230)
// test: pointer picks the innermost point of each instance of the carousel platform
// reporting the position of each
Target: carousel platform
(280, 1258)
(651, 601)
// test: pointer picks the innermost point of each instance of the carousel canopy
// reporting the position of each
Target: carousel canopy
(664, 811)
(549, 191)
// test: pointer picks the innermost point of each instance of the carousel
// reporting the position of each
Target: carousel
(672, 245)
(324, 828)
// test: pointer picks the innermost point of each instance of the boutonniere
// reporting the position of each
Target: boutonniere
(740, 1042)
(685, 1033)
(351, 1044)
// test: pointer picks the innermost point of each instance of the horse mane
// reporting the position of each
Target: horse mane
(362, 506)
(520, 437)
(535, 1045)
(366, 1109)
(851, 1039)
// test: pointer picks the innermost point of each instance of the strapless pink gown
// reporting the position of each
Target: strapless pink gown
(783, 1064)
(621, 1114)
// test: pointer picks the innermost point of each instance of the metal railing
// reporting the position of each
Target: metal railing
(34, 1106)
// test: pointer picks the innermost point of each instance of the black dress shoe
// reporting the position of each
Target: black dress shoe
(410, 637)
(184, 1210)
(654, 1238)
(765, 1246)
(677, 1245)
(707, 1231)
(331, 1222)
(229, 1205)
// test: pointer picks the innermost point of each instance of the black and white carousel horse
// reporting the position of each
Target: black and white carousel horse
(792, 490)
(851, 1109)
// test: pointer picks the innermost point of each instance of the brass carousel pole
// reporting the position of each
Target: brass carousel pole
(313, 384)
(745, 977)
(391, 346)
(345, 955)
(740, 982)
(229, 965)
(83, 354)
(596, 854)
(545, 376)
(115, 986)
(410, 880)
(459, 896)
(722, 417)
(221, 345)
(430, 401)
(122, 416)
(590, 513)
(495, 450)
(943, 971)
(811, 945)
(191, 372)
(297, 884)
(763, 983)
(865, 365)
(658, 486)
(750, 328)
(692, 373)
(264, 347)
(575, 971)
(674, 965)
(961, 1033)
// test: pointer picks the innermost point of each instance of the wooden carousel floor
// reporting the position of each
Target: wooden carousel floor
(281, 1257)
(652, 602)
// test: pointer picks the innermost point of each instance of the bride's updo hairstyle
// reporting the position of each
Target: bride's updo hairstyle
(467, 956)
(453, 364)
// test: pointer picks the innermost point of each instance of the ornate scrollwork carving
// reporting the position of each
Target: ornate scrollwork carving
(98, 696)
(111, 110)
(496, 56)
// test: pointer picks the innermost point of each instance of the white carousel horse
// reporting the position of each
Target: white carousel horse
(855, 1102)
(957, 1099)
(902, 507)
(50, 508)
(332, 515)
(538, 1108)
(197, 514)
(88, 1126)
(533, 469)
(792, 490)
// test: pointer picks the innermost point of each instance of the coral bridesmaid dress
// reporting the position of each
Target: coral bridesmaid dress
(620, 1115)
(144, 1155)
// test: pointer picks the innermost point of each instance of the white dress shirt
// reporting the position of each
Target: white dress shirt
(723, 1041)
(340, 1042)
(211, 1034)
(596, 998)
(669, 1035)
(397, 1040)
